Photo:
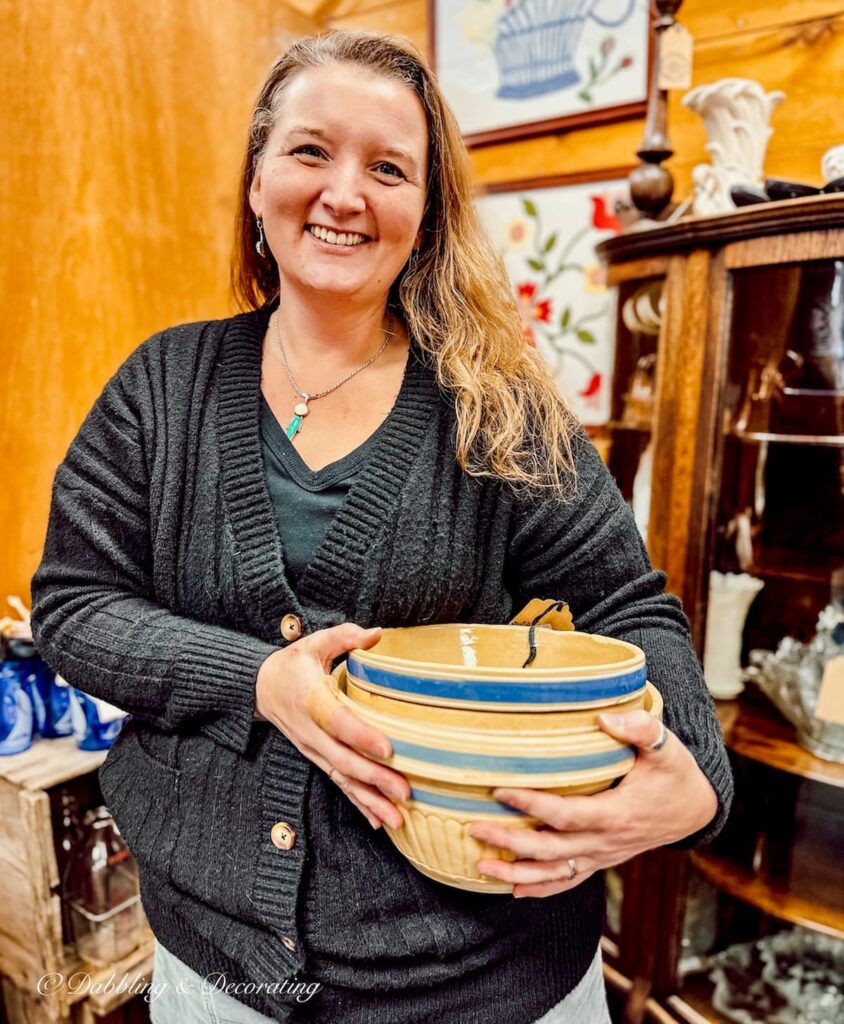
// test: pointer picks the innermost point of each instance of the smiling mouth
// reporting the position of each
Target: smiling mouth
(339, 238)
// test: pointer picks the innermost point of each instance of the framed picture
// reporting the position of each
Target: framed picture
(513, 68)
(546, 232)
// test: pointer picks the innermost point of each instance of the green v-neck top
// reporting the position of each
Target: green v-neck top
(305, 501)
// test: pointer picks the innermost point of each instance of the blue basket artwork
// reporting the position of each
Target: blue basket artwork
(537, 41)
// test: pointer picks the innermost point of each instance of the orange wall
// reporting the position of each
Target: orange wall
(127, 122)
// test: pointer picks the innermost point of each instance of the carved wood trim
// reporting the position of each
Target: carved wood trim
(788, 217)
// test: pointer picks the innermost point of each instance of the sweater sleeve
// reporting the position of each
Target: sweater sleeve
(95, 618)
(589, 553)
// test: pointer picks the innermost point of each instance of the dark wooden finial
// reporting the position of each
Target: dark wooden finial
(651, 184)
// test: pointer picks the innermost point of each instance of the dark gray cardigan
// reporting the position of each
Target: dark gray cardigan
(161, 589)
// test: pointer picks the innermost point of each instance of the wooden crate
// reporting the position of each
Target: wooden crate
(43, 979)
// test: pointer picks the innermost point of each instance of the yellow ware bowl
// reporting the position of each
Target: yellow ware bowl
(453, 766)
(502, 668)
(517, 721)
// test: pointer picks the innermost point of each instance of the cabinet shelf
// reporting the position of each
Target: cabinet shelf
(754, 890)
(813, 440)
(49, 763)
(760, 733)
(693, 1005)
(779, 562)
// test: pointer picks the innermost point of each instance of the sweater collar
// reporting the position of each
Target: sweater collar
(330, 581)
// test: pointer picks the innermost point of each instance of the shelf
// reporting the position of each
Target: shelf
(785, 217)
(754, 890)
(762, 734)
(814, 440)
(789, 563)
(133, 972)
(693, 1005)
(50, 762)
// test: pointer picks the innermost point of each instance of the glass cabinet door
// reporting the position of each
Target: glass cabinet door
(780, 514)
(629, 453)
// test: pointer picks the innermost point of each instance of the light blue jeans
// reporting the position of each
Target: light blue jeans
(180, 996)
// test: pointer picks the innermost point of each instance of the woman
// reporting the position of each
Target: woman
(372, 445)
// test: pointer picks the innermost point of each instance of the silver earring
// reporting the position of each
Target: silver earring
(260, 248)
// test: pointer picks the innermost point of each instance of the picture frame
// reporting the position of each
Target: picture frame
(545, 230)
(513, 69)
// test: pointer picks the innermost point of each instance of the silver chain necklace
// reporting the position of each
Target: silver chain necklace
(300, 409)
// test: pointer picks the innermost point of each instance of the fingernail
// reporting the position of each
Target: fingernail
(615, 721)
(505, 796)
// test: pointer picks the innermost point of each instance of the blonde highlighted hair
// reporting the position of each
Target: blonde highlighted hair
(512, 422)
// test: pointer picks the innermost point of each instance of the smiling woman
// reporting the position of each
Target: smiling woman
(370, 444)
(340, 190)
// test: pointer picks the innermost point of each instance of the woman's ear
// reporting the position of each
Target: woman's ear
(255, 194)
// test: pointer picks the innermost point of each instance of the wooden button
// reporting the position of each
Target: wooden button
(291, 627)
(283, 836)
(288, 943)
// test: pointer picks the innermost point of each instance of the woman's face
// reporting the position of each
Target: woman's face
(341, 184)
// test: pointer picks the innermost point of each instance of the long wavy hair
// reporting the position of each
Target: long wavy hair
(456, 300)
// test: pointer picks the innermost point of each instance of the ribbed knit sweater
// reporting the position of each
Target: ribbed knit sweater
(161, 590)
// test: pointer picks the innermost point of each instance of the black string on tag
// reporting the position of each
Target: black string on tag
(532, 642)
(554, 606)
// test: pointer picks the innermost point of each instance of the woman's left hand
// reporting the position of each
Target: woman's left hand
(665, 797)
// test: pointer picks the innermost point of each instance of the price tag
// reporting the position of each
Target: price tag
(831, 697)
(675, 58)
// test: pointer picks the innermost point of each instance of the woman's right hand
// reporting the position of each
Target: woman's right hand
(294, 692)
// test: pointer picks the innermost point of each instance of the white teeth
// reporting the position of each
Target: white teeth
(333, 238)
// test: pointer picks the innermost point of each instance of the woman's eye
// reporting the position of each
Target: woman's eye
(308, 151)
(388, 169)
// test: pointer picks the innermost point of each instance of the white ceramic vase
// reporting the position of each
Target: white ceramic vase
(736, 113)
(832, 164)
(730, 598)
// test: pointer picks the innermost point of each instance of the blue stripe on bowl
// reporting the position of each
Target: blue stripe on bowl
(492, 692)
(458, 803)
(522, 765)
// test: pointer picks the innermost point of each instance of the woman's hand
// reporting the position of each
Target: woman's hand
(294, 691)
(664, 798)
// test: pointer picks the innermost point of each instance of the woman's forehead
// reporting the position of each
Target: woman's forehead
(346, 95)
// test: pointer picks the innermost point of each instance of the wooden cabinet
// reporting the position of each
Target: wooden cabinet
(42, 978)
(737, 465)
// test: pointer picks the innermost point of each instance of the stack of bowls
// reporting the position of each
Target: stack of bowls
(469, 708)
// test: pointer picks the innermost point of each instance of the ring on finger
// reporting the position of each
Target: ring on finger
(659, 742)
(331, 772)
(572, 869)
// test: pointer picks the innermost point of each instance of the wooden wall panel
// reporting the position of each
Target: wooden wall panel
(406, 17)
(126, 122)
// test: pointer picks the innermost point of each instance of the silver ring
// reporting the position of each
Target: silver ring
(659, 742)
(331, 772)
(572, 869)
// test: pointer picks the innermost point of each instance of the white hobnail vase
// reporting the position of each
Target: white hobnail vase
(736, 113)
(730, 598)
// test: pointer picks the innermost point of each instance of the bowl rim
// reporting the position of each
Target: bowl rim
(405, 667)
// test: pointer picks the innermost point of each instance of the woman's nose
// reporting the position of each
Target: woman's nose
(343, 191)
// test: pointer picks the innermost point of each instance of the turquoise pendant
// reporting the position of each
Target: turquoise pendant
(295, 425)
